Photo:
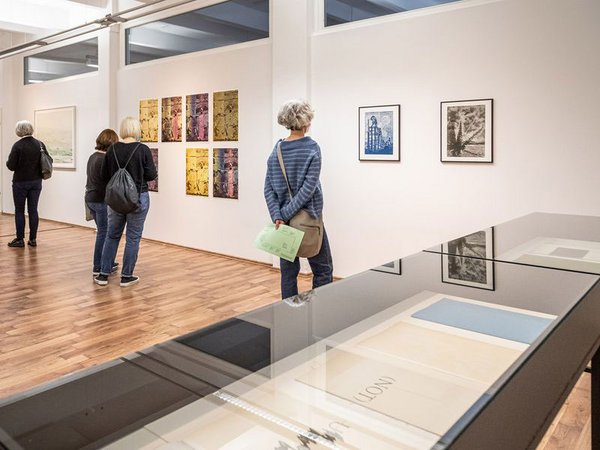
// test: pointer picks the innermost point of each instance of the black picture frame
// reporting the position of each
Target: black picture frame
(460, 141)
(393, 267)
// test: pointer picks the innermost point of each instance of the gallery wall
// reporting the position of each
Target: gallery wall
(536, 59)
(221, 225)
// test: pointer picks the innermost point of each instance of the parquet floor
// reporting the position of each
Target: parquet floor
(54, 320)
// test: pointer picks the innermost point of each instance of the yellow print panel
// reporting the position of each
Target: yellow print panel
(196, 171)
(149, 120)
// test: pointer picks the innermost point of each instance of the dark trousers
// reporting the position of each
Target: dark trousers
(321, 266)
(27, 191)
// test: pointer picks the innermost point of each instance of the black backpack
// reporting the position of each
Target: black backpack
(121, 193)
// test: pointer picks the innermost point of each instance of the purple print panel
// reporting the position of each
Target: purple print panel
(196, 115)
(225, 172)
(153, 185)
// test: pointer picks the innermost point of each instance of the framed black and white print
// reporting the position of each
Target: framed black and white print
(394, 267)
(466, 131)
(379, 133)
(468, 260)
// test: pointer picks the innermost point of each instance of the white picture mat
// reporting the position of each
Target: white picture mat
(395, 109)
(488, 130)
(540, 249)
(56, 128)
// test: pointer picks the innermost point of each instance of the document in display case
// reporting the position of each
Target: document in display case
(567, 254)
(400, 384)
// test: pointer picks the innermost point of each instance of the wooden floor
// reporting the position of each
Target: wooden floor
(54, 320)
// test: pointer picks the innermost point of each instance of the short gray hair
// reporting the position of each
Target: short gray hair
(295, 115)
(130, 128)
(24, 128)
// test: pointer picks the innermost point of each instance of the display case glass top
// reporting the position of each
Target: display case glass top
(559, 241)
(400, 360)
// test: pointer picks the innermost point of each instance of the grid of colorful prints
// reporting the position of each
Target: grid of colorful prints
(225, 116)
(153, 185)
(225, 173)
(171, 119)
(196, 171)
(149, 120)
(196, 113)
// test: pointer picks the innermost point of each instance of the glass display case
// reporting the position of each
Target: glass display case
(560, 241)
(398, 359)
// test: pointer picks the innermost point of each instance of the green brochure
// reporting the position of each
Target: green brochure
(283, 242)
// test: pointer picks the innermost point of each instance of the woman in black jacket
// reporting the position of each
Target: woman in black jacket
(24, 161)
(142, 169)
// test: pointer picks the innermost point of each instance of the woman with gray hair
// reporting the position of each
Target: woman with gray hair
(24, 161)
(301, 156)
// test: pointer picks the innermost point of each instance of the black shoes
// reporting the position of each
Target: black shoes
(115, 267)
(32, 243)
(128, 281)
(101, 280)
(16, 243)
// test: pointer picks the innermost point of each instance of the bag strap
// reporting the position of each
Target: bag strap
(280, 158)
(130, 156)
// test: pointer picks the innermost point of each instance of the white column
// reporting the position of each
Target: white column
(291, 30)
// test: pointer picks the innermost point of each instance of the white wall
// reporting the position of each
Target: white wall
(538, 60)
(221, 225)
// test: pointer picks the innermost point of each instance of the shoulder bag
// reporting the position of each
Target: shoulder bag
(303, 221)
(46, 162)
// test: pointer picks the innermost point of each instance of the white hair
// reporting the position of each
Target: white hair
(130, 128)
(295, 115)
(24, 128)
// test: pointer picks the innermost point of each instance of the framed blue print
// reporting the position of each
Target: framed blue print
(379, 133)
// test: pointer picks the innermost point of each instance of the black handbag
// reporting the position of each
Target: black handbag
(45, 161)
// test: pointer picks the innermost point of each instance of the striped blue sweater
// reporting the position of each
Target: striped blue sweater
(302, 159)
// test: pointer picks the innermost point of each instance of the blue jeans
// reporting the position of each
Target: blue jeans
(135, 226)
(321, 266)
(30, 191)
(100, 215)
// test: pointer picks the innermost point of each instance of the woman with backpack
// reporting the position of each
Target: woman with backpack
(24, 161)
(136, 159)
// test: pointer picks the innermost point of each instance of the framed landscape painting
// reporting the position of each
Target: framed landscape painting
(466, 131)
(379, 133)
(468, 260)
(56, 129)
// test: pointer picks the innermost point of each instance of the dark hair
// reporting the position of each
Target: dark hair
(106, 138)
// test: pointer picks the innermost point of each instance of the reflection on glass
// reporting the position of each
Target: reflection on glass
(344, 11)
(73, 59)
(466, 260)
(225, 23)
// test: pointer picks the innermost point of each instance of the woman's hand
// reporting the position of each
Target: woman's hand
(279, 222)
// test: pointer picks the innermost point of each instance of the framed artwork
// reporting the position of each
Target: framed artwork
(149, 120)
(225, 116)
(379, 133)
(171, 119)
(56, 129)
(466, 131)
(153, 185)
(468, 260)
(225, 172)
(196, 118)
(196, 171)
(394, 267)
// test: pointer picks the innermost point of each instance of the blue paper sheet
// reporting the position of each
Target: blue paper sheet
(483, 319)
